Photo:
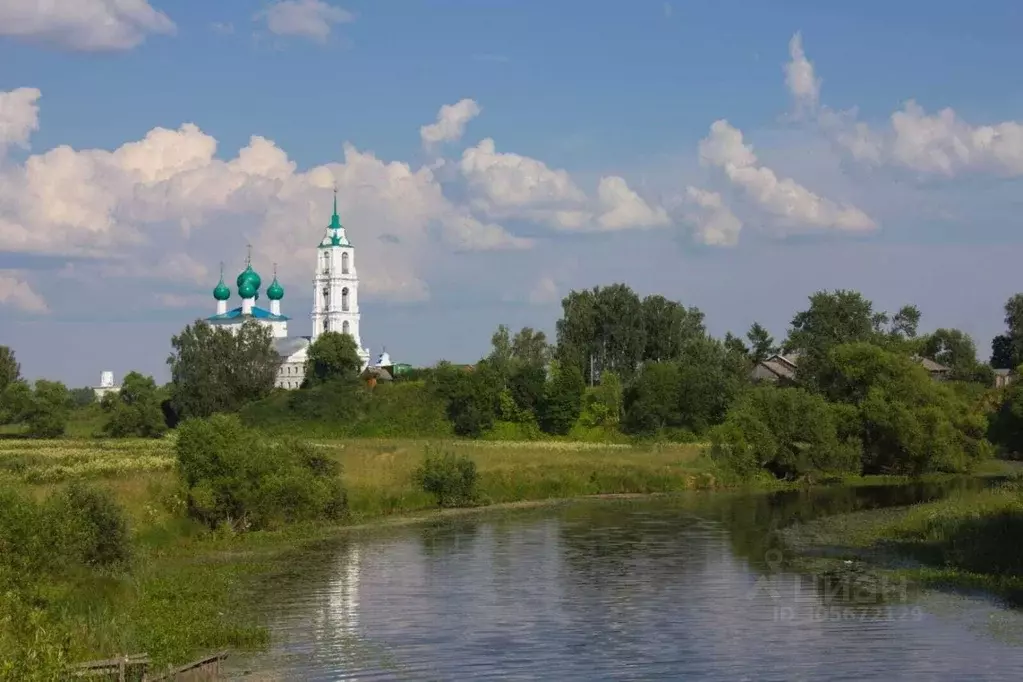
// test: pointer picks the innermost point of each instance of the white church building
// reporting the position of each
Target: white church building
(335, 303)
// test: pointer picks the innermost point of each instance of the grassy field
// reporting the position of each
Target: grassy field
(969, 541)
(186, 589)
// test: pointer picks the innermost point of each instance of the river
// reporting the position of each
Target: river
(693, 587)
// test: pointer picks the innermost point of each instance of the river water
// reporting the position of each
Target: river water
(693, 587)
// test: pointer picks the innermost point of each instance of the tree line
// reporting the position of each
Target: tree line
(620, 366)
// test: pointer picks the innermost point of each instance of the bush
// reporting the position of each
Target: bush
(235, 476)
(449, 478)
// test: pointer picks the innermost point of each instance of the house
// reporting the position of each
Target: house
(776, 369)
(782, 369)
(938, 371)
(1003, 377)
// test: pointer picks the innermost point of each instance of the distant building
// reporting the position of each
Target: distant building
(781, 369)
(335, 304)
(1004, 377)
(106, 385)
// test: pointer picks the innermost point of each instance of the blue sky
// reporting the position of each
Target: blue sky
(872, 146)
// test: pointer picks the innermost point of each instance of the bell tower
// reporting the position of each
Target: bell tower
(336, 285)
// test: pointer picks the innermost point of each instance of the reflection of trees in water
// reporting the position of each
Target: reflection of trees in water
(441, 539)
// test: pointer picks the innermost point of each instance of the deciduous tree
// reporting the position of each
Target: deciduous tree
(332, 356)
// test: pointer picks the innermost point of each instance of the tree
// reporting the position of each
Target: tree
(332, 356)
(733, 344)
(905, 322)
(562, 400)
(530, 347)
(761, 343)
(48, 410)
(667, 326)
(214, 370)
(10, 370)
(954, 349)
(1001, 352)
(135, 409)
(82, 397)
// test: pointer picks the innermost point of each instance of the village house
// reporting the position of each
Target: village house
(781, 369)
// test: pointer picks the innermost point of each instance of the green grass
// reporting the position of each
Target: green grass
(969, 541)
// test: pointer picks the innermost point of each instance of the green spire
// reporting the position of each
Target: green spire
(335, 219)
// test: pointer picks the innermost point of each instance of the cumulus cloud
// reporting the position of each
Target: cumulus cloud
(939, 143)
(505, 185)
(16, 293)
(794, 205)
(312, 19)
(85, 25)
(19, 117)
(156, 208)
(544, 292)
(800, 79)
(712, 220)
(451, 122)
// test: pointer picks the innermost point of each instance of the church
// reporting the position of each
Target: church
(335, 304)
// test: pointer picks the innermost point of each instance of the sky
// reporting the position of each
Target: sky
(491, 157)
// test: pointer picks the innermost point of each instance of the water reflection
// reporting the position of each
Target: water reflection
(678, 588)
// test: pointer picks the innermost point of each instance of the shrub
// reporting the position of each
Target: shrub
(451, 479)
(89, 526)
(235, 476)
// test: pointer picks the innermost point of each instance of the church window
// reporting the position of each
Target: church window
(324, 325)
(344, 299)
(346, 328)
(326, 262)
(344, 263)
(326, 297)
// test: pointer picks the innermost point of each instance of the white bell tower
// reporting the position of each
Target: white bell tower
(336, 286)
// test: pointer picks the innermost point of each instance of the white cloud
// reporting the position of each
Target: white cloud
(623, 208)
(713, 222)
(311, 19)
(451, 122)
(940, 144)
(86, 25)
(16, 293)
(19, 117)
(795, 205)
(802, 83)
(162, 208)
(505, 185)
(544, 292)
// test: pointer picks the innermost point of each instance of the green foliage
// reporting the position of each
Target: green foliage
(76, 527)
(83, 397)
(214, 370)
(48, 410)
(471, 396)
(15, 402)
(693, 393)
(10, 370)
(602, 405)
(451, 479)
(236, 476)
(134, 411)
(332, 356)
(562, 400)
(761, 343)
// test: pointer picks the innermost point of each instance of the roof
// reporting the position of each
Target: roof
(290, 345)
(257, 313)
(789, 360)
(776, 366)
(932, 366)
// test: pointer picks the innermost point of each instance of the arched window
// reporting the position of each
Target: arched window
(346, 328)
(326, 297)
(326, 261)
(344, 299)
(324, 325)
(344, 263)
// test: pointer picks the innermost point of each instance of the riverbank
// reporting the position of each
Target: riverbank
(968, 542)
(188, 591)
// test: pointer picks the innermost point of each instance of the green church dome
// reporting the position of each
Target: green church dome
(249, 275)
(247, 289)
(275, 291)
(221, 293)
